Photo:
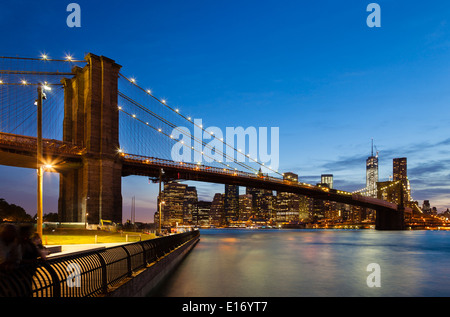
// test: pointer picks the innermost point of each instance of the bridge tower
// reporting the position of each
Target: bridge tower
(91, 120)
(392, 220)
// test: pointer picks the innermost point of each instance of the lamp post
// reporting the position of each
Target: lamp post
(40, 165)
(160, 211)
(161, 172)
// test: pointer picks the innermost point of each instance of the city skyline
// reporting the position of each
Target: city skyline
(339, 83)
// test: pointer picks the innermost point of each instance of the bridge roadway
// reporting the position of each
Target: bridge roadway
(20, 151)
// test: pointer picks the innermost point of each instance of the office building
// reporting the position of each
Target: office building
(189, 204)
(202, 215)
(426, 207)
(327, 180)
(372, 175)
(231, 202)
(288, 205)
(173, 196)
(245, 207)
(400, 169)
(217, 213)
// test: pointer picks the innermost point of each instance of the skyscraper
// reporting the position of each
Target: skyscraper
(372, 174)
(172, 210)
(399, 169)
(245, 207)
(231, 202)
(288, 204)
(327, 179)
(201, 217)
(426, 208)
(217, 210)
(189, 204)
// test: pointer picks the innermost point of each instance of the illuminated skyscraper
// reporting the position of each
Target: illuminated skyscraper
(372, 174)
(172, 210)
(231, 202)
(201, 217)
(217, 210)
(288, 204)
(189, 204)
(426, 208)
(327, 179)
(245, 207)
(400, 170)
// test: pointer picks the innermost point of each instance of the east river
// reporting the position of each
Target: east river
(303, 262)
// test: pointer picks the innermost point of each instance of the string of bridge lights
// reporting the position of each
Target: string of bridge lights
(395, 183)
(171, 137)
(46, 57)
(43, 57)
(177, 111)
(177, 128)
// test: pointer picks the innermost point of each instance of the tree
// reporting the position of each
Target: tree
(11, 212)
(51, 217)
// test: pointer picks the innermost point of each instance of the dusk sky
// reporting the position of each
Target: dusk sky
(314, 69)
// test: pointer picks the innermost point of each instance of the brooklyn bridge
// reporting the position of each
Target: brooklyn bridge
(87, 121)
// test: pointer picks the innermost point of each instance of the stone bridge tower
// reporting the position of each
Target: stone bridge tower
(91, 120)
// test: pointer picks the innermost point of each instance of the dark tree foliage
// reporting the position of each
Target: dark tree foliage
(11, 212)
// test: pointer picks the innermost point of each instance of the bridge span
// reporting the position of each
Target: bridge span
(20, 151)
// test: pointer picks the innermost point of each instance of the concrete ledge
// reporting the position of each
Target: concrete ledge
(142, 283)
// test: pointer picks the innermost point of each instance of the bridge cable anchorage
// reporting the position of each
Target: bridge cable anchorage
(181, 131)
(176, 111)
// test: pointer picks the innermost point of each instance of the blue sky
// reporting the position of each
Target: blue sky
(312, 68)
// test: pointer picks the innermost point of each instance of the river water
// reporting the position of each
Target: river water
(299, 263)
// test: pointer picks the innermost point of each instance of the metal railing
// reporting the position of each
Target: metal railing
(89, 274)
(50, 145)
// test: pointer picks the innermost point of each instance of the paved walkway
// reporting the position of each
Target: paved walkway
(77, 248)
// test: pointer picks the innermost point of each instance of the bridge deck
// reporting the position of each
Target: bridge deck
(20, 151)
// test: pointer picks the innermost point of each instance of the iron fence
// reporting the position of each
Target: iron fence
(88, 274)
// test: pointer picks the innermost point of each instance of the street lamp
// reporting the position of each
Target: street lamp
(160, 211)
(161, 172)
(40, 163)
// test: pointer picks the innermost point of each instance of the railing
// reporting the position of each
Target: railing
(203, 168)
(88, 274)
(224, 171)
(29, 142)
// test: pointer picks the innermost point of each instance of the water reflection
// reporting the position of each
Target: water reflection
(294, 263)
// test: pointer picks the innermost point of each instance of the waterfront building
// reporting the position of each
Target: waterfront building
(231, 202)
(202, 215)
(217, 213)
(173, 196)
(289, 205)
(245, 207)
(189, 204)
(262, 202)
